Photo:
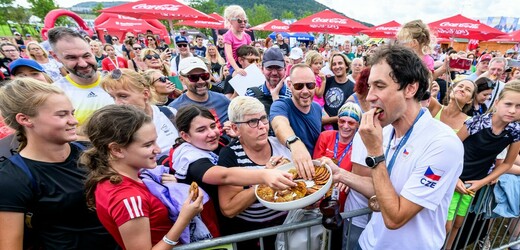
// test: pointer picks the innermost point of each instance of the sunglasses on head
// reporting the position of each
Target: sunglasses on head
(196, 77)
(239, 21)
(299, 85)
(149, 57)
(116, 74)
(182, 45)
(163, 79)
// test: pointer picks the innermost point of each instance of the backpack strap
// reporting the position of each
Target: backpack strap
(20, 163)
(258, 92)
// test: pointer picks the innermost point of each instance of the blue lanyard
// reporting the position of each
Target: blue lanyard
(401, 143)
(344, 151)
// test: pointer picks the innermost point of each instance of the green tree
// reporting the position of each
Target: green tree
(257, 15)
(5, 6)
(20, 16)
(97, 8)
(306, 14)
(40, 8)
(206, 6)
(287, 14)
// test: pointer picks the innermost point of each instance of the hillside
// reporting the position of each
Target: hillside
(276, 7)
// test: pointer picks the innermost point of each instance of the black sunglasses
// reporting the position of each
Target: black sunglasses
(114, 39)
(137, 48)
(196, 77)
(116, 74)
(182, 45)
(253, 123)
(149, 57)
(299, 85)
(163, 79)
(240, 21)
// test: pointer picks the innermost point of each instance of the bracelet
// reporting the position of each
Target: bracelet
(169, 242)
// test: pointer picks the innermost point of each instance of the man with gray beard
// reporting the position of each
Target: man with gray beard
(82, 83)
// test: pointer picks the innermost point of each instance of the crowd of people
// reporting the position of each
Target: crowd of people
(112, 135)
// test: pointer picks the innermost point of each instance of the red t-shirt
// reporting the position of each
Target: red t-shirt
(325, 147)
(117, 204)
(109, 64)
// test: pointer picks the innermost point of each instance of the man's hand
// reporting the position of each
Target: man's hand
(302, 160)
(371, 133)
(275, 91)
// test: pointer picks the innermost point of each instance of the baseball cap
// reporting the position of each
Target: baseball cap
(16, 33)
(350, 109)
(485, 57)
(28, 35)
(181, 39)
(510, 51)
(273, 57)
(25, 62)
(190, 63)
(296, 53)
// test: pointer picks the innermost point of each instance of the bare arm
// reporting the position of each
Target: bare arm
(235, 199)
(321, 89)
(299, 153)
(359, 179)
(136, 232)
(11, 230)
(229, 56)
(218, 175)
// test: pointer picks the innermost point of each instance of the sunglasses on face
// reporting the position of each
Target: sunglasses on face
(137, 48)
(163, 79)
(300, 85)
(239, 21)
(196, 77)
(149, 57)
(350, 123)
(252, 60)
(253, 123)
(150, 39)
(130, 37)
(114, 39)
(182, 45)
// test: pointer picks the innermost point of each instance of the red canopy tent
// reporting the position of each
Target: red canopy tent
(327, 21)
(274, 25)
(460, 26)
(509, 37)
(158, 9)
(219, 24)
(385, 30)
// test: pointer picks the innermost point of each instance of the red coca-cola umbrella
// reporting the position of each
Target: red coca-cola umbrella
(459, 26)
(274, 25)
(158, 9)
(509, 37)
(385, 30)
(218, 24)
(327, 21)
(124, 23)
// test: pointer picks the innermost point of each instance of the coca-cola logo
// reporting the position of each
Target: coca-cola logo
(280, 27)
(460, 25)
(453, 32)
(144, 6)
(387, 28)
(329, 20)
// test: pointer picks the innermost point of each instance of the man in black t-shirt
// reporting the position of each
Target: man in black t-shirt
(200, 49)
(282, 45)
(337, 88)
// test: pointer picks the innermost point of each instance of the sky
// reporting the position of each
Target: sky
(381, 11)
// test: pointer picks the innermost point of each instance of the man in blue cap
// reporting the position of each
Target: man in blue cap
(183, 52)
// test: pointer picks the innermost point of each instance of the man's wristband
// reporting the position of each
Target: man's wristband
(169, 242)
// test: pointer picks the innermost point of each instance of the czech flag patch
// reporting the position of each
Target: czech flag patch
(434, 176)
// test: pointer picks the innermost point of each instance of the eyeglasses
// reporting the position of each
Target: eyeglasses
(163, 79)
(253, 123)
(114, 39)
(239, 21)
(180, 45)
(149, 57)
(150, 39)
(196, 77)
(130, 37)
(350, 123)
(9, 50)
(271, 69)
(137, 48)
(299, 85)
(251, 60)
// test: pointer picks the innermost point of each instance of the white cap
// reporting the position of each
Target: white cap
(190, 63)
(296, 53)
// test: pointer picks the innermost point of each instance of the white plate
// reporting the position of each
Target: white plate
(299, 203)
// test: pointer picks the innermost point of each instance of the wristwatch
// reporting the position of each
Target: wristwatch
(372, 161)
(290, 140)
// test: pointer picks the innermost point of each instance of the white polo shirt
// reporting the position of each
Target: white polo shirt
(425, 172)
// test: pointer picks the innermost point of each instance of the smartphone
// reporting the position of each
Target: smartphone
(460, 63)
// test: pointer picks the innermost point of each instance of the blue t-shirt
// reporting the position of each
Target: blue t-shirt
(217, 103)
(306, 126)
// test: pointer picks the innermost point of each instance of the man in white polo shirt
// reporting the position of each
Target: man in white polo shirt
(415, 161)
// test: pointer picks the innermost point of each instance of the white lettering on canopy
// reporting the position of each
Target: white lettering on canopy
(143, 6)
(329, 20)
(322, 26)
(460, 25)
(387, 28)
(453, 32)
(280, 27)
